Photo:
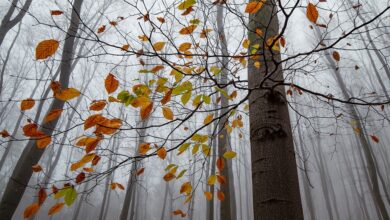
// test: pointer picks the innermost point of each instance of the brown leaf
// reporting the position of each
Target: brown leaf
(111, 83)
(220, 195)
(374, 138)
(42, 195)
(253, 7)
(97, 105)
(140, 171)
(336, 56)
(220, 163)
(27, 104)
(312, 13)
(56, 12)
(36, 168)
(42, 142)
(80, 177)
(167, 97)
(188, 30)
(46, 49)
(101, 29)
(162, 153)
(4, 133)
(146, 110)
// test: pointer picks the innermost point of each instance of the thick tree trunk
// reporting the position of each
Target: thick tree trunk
(276, 192)
(31, 154)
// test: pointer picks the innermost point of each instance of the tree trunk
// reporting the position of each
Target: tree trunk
(276, 192)
(31, 154)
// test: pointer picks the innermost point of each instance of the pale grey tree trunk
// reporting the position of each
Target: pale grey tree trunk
(8, 22)
(276, 192)
(31, 154)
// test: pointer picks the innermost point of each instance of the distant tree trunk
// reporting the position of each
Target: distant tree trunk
(276, 192)
(31, 154)
(228, 206)
(8, 22)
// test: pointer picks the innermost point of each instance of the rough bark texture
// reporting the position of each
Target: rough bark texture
(276, 192)
(31, 154)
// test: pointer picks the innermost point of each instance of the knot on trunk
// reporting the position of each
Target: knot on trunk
(268, 131)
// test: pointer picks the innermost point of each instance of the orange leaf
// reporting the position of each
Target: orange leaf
(31, 130)
(374, 138)
(179, 212)
(97, 105)
(159, 46)
(208, 195)
(43, 142)
(120, 186)
(157, 68)
(168, 177)
(56, 208)
(36, 168)
(220, 163)
(167, 112)
(42, 195)
(186, 188)
(31, 210)
(220, 195)
(54, 114)
(27, 104)
(162, 153)
(46, 49)
(144, 148)
(254, 7)
(125, 47)
(56, 12)
(184, 47)
(221, 179)
(96, 160)
(111, 83)
(188, 30)
(312, 13)
(208, 119)
(146, 110)
(101, 29)
(336, 56)
(140, 171)
(93, 120)
(80, 177)
(88, 169)
(67, 94)
(167, 97)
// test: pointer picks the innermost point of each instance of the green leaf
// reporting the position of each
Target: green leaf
(200, 138)
(183, 148)
(186, 97)
(170, 166)
(215, 70)
(70, 196)
(206, 99)
(181, 174)
(60, 193)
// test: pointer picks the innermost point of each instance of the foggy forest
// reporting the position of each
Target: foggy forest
(194, 109)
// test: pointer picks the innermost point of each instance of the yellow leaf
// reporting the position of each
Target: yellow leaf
(183, 148)
(211, 180)
(111, 83)
(186, 4)
(162, 153)
(167, 112)
(67, 94)
(27, 104)
(208, 195)
(206, 150)
(54, 114)
(56, 208)
(184, 47)
(208, 119)
(312, 13)
(254, 7)
(246, 43)
(159, 46)
(46, 49)
(31, 210)
(229, 154)
(195, 149)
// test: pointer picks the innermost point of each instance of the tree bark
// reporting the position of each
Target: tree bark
(31, 154)
(276, 192)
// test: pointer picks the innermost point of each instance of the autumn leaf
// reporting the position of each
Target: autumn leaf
(188, 30)
(167, 97)
(221, 179)
(144, 148)
(211, 180)
(146, 110)
(96, 160)
(374, 138)
(159, 46)
(4, 133)
(312, 13)
(54, 114)
(220, 195)
(111, 83)
(140, 171)
(56, 208)
(179, 212)
(31, 130)
(67, 94)
(254, 7)
(220, 163)
(167, 112)
(56, 12)
(36, 168)
(46, 49)
(27, 104)
(208, 195)
(98, 105)
(186, 188)
(229, 154)
(184, 47)
(31, 210)
(101, 29)
(80, 177)
(186, 4)
(161, 19)
(208, 119)
(93, 120)
(162, 153)
(125, 47)
(168, 177)
(336, 56)
(42, 142)
(42, 195)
